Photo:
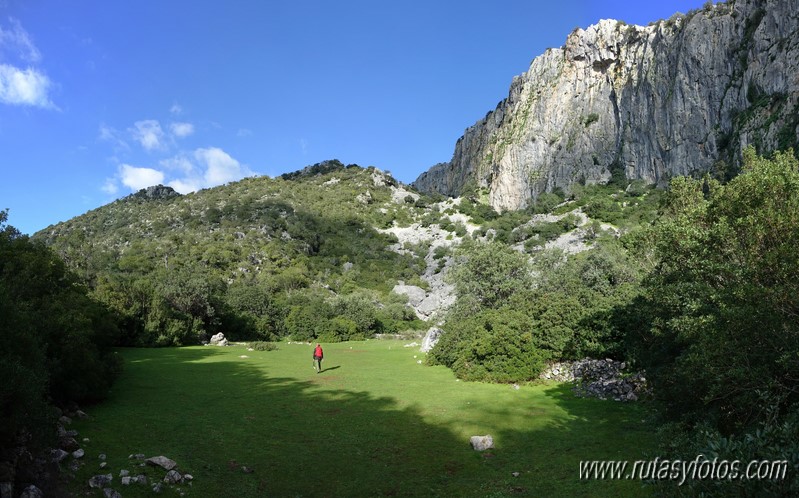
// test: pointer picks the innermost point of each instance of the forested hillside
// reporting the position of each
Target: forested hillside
(257, 259)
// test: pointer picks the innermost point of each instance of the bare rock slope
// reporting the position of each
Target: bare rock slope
(678, 96)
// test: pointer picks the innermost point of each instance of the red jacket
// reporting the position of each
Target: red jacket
(317, 353)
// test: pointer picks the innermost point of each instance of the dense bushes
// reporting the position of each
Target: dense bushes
(507, 323)
(54, 340)
(723, 300)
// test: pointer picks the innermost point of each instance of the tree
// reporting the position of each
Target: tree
(723, 301)
(489, 274)
(55, 342)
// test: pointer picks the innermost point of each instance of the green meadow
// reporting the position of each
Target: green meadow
(375, 422)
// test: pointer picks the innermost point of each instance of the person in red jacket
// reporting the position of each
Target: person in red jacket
(318, 354)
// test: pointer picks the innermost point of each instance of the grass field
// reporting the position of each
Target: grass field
(373, 423)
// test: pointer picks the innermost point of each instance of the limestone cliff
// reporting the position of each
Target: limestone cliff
(676, 97)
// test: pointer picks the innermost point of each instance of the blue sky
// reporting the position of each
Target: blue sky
(101, 98)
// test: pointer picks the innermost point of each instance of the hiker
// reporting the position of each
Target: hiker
(318, 354)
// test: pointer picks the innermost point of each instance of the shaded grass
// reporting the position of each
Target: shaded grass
(373, 423)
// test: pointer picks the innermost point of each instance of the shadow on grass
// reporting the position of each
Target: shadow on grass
(330, 368)
(215, 415)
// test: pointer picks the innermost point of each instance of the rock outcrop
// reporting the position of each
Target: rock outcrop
(677, 97)
(603, 379)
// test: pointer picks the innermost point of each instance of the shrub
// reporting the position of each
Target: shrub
(494, 346)
(263, 346)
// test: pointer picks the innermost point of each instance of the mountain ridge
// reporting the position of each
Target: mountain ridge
(678, 97)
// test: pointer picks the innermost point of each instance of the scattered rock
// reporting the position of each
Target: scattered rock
(81, 414)
(246, 469)
(101, 456)
(141, 479)
(111, 493)
(123, 473)
(126, 481)
(68, 443)
(515, 386)
(78, 453)
(103, 465)
(64, 420)
(603, 379)
(157, 487)
(100, 481)
(482, 443)
(364, 198)
(173, 477)
(188, 477)
(137, 456)
(58, 455)
(162, 461)
(515, 474)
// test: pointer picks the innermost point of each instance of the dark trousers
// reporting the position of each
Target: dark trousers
(318, 363)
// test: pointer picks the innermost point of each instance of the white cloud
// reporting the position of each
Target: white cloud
(181, 130)
(17, 41)
(176, 109)
(186, 185)
(110, 186)
(109, 134)
(148, 133)
(139, 178)
(220, 167)
(207, 167)
(180, 163)
(24, 87)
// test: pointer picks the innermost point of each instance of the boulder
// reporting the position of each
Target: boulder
(482, 443)
(430, 339)
(78, 453)
(218, 340)
(414, 293)
(68, 443)
(100, 480)
(173, 477)
(58, 455)
(161, 461)
(111, 493)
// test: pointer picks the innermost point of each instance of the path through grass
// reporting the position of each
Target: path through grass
(373, 423)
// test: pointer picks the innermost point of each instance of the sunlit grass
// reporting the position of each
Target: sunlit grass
(375, 422)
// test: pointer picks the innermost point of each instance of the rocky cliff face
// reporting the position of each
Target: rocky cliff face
(677, 97)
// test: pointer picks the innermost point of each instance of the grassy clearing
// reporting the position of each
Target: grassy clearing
(373, 423)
